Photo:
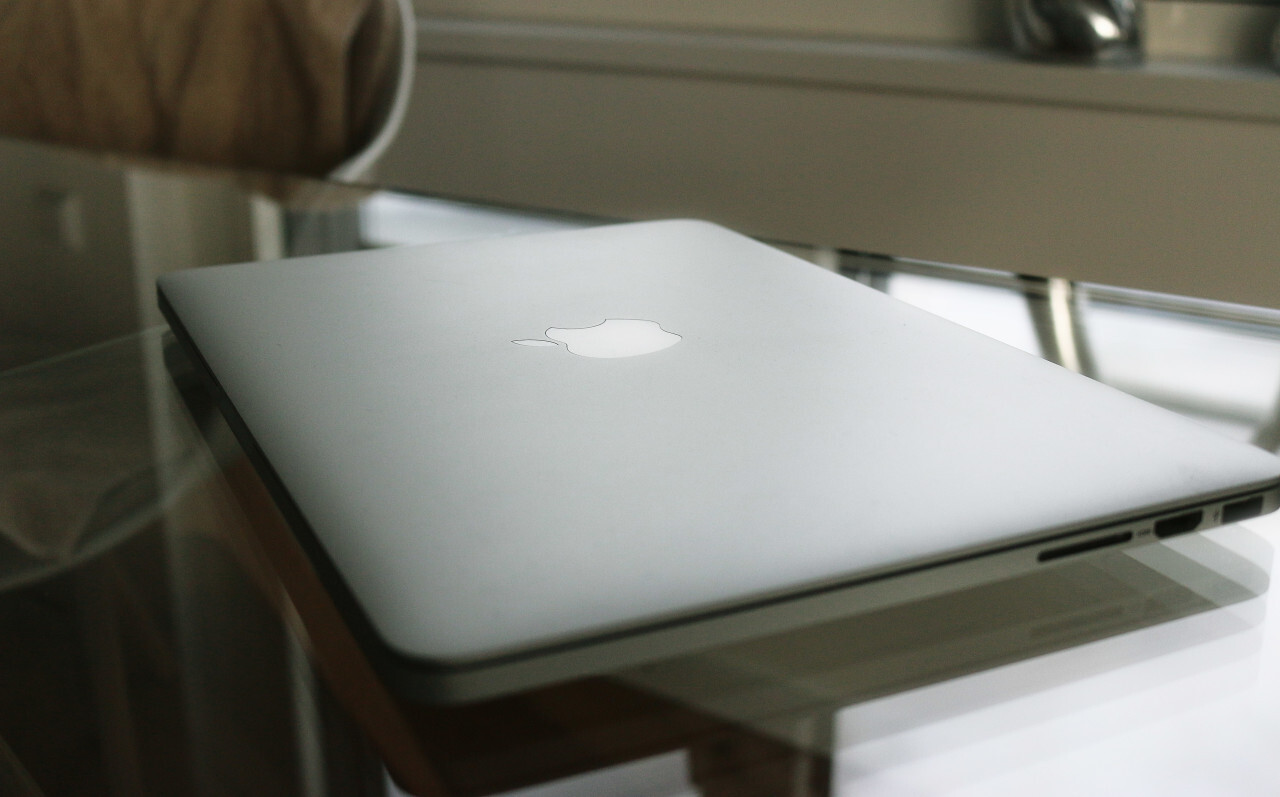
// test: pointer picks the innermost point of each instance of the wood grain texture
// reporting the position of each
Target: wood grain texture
(275, 84)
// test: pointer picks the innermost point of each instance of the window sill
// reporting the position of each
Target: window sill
(1193, 88)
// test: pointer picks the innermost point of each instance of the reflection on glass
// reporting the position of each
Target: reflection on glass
(388, 218)
(1068, 722)
(80, 470)
(1214, 362)
(782, 684)
(659, 776)
(1221, 371)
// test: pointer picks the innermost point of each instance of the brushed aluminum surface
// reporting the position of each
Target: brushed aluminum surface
(484, 500)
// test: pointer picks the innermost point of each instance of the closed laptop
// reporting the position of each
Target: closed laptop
(522, 459)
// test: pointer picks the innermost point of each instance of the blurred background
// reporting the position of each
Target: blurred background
(909, 127)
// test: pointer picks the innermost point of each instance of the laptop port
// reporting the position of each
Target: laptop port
(1087, 545)
(1237, 511)
(1179, 524)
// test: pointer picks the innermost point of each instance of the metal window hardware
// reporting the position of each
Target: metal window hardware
(1087, 30)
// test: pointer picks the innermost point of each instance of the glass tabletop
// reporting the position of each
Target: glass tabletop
(163, 633)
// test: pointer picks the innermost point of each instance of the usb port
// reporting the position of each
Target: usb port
(1179, 524)
(1237, 511)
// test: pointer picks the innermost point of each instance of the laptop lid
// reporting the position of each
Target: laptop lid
(520, 459)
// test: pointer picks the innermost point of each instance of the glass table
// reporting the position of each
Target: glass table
(162, 633)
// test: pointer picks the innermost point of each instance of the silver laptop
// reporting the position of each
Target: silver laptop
(524, 459)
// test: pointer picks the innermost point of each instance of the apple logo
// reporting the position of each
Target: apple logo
(613, 337)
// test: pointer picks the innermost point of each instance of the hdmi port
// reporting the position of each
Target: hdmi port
(1087, 545)
(1179, 524)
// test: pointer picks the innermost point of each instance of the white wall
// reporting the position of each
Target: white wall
(945, 148)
